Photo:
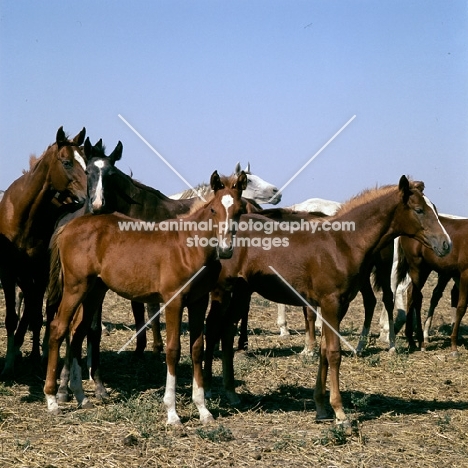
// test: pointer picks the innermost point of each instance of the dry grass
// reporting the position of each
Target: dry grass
(407, 409)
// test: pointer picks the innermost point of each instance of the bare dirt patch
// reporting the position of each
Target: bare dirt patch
(407, 409)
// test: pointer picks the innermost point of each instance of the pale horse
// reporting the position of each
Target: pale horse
(258, 190)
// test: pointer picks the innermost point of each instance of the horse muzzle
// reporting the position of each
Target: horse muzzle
(442, 246)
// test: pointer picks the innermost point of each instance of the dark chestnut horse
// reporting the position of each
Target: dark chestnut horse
(28, 213)
(324, 269)
(419, 261)
(177, 267)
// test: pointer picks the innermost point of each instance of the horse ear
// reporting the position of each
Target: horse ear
(88, 149)
(116, 154)
(247, 169)
(215, 181)
(404, 187)
(78, 140)
(237, 169)
(61, 138)
(98, 145)
(241, 183)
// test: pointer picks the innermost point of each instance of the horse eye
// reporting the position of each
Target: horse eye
(67, 164)
(419, 210)
(213, 211)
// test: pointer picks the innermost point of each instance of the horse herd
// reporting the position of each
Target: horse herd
(61, 233)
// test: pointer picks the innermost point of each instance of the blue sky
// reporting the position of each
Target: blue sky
(210, 83)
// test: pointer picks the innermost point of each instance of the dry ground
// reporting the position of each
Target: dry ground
(408, 409)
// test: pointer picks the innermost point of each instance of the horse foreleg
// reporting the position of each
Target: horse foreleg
(214, 322)
(415, 297)
(238, 307)
(154, 311)
(281, 321)
(11, 322)
(437, 293)
(243, 343)
(461, 309)
(79, 329)
(173, 322)
(94, 301)
(196, 315)
(330, 358)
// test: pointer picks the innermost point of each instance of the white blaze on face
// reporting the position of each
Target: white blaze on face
(97, 202)
(227, 202)
(79, 159)
(431, 206)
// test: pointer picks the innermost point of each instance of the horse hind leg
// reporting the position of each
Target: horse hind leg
(437, 293)
(310, 337)
(154, 314)
(281, 321)
(370, 302)
(196, 313)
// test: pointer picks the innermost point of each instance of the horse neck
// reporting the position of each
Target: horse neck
(374, 224)
(32, 201)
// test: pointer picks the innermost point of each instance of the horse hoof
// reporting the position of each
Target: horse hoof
(86, 405)
(392, 350)
(207, 419)
(233, 398)
(102, 395)
(326, 418)
(63, 397)
(55, 412)
(455, 354)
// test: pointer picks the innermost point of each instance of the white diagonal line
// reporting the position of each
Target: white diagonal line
(313, 157)
(336, 332)
(160, 156)
(161, 309)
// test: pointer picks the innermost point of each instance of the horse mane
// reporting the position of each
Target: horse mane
(140, 186)
(203, 189)
(366, 196)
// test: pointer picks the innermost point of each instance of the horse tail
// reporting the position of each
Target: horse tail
(54, 289)
(403, 265)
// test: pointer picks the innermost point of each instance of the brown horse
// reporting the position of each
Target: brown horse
(324, 268)
(419, 261)
(28, 213)
(380, 266)
(147, 266)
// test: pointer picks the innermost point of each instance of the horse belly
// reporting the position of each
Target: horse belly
(132, 276)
